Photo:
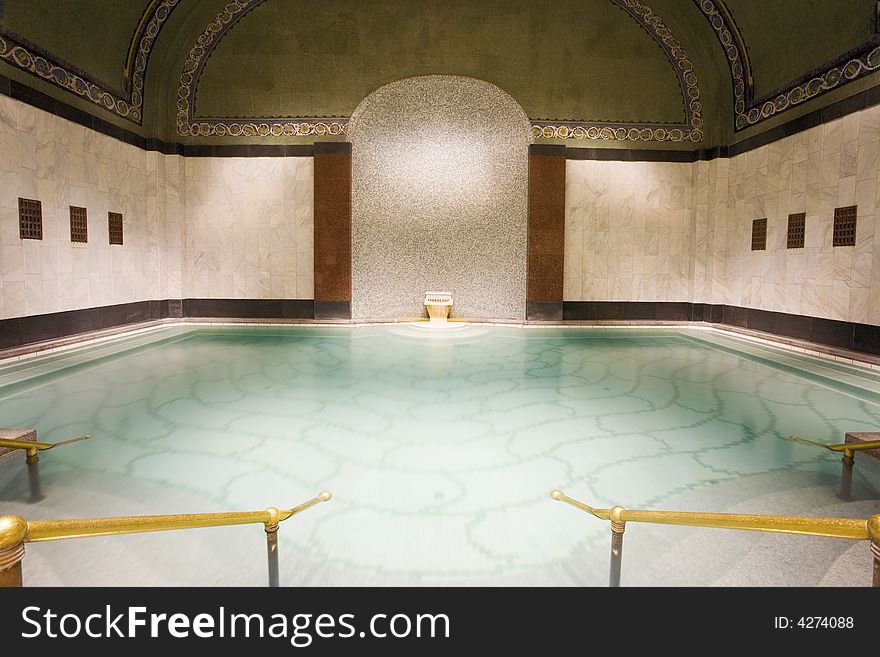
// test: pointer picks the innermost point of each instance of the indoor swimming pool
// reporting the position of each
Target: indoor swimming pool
(440, 449)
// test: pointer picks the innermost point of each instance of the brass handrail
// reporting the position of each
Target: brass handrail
(848, 461)
(15, 531)
(32, 448)
(858, 530)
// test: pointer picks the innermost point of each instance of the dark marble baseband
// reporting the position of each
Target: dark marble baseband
(544, 311)
(21, 331)
(862, 338)
(26, 94)
(333, 147)
(332, 309)
(849, 336)
(630, 155)
(250, 308)
(632, 310)
(548, 150)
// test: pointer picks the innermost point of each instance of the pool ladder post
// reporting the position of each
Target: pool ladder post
(874, 530)
(32, 449)
(271, 527)
(846, 474)
(32, 459)
(15, 531)
(618, 526)
(848, 449)
(828, 527)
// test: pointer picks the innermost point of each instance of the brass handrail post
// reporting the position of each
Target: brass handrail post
(848, 462)
(874, 531)
(13, 531)
(618, 526)
(32, 458)
(16, 531)
(847, 528)
(32, 449)
(846, 474)
(271, 527)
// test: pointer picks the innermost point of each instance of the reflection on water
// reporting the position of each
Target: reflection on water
(440, 451)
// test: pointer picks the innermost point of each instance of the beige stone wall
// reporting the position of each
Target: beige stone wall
(249, 229)
(815, 171)
(628, 231)
(61, 164)
(682, 232)
(243, 227)
(194, 227)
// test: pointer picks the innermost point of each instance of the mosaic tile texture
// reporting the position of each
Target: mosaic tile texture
(440, 452)
(439, 192)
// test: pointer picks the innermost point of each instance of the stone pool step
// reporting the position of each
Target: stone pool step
(9, 454)
(737, 558)
(807, 560)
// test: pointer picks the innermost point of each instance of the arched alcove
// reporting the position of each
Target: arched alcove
(439, 199)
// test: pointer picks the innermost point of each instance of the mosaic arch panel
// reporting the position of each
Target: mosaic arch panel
(189, 124)
(127, 102)
(439, 199)
(748, 110)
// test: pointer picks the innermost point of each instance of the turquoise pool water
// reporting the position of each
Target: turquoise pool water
(440, 449)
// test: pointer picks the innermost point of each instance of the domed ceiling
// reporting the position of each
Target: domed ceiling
(638, 73)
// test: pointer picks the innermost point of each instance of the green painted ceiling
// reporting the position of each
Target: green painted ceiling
(788, 38)
(94, 36)
(307, 59)
(561, 59)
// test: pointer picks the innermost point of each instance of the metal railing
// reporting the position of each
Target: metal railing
(32, 449)
(15, 532)
(857, 530)
(848, 461)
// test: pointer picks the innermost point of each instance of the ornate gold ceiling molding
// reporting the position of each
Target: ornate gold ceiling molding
(127, 102)
(191, 125)
(748, 110)
(690, 130)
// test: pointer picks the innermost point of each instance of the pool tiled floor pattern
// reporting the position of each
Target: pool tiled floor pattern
(440, 452)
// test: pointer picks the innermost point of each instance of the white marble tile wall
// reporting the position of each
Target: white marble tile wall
(829, 166)
(221, 227)
(61, 164)
(249, 229)
(243, 227)
(628, 231)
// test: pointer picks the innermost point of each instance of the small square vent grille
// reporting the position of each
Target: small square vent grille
(114, 221)
(845, 226)
(759, 235)
(79, 224)
(796, 230)
(30, 219)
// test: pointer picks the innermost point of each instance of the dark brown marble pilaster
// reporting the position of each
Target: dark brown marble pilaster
(546, 232)
(333, 230)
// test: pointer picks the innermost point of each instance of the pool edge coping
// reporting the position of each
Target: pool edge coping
(69, 343)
